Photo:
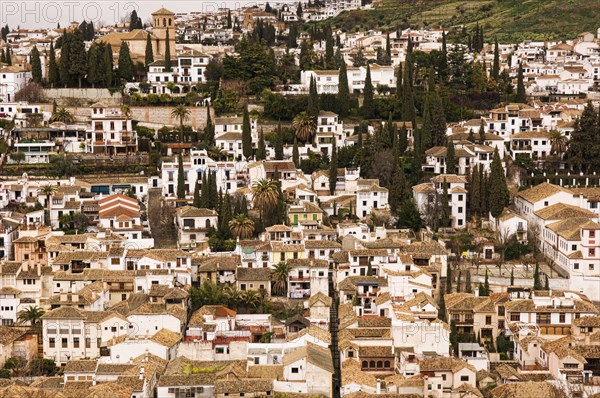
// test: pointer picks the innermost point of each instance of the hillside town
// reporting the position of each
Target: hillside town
(255, 202)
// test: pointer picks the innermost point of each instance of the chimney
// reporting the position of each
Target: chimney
(426, 384)
(39, 269)
(142, 372)
(378, 391)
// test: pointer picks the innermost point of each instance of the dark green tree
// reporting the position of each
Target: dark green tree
(409, 216)
(125, 68)
(168, 64)
(399, 85)
(65, 77)
(403, 140)
(408, 101)
(547, 283)
(512, 277)
(468, 286)
(313, 99)
(261, 151)
(448, 278)
(443, 62)
(459, 282)
(496, 64)
(180, 179)
(246, 135)
(108, 66)
(521, 95)
(333, 166)
(343, 96)
(475, 192)
(499, 196)
(481, 133)
(398, 190)
(296, 154)
(450, 158)
(77, 57)
(36, 65)
(149, 55)
(368, 108)
(471, 136)
(583, 151)
(278, 143)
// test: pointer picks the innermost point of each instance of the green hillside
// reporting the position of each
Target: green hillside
(510, 20)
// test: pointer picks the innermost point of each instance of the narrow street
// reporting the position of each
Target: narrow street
(160, 219)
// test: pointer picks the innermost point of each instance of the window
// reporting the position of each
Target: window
(591, 253)
(464, 378)
(65, 342)
(576, 266)
(52, 342)
(562, 318)
(591, 267)
(294, 370)
(76, 342)
(515, 317)
(444, 377)
(488, 320)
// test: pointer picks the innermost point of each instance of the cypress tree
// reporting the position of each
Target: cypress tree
(408, 101)
(36, 65)
(180, 180)
(54, 106)
(459, 282)
(246, 135)
(125, 68)
(481, 39)
(149, 56)
(93, 64)
(521, 95)
(499, 195)
(468, 286)
(584, 144)
(278, 144)
(64, 59)
(399, 85)
(388, 46)
(213, 190)
(261, 151)
(547, 284)
(448, 278)
(450, 159)
(329, 60)
(108, 65)
(438, 121)
(8, 56)
(481, 133)
(295, 154)
(512, 277)
(403, 140)
(471, 137)
(313, 99)
(343, 96)
(333, 166)
(77, 57)
(398, 190)
(475, 192)
(3, 55)
(368, 107)
(443, 65)
(209, 130)
(168, 65)
(225, 216)
(484, 192)
(496, 64)
(486, 283)
(446, 220)
(197, 198)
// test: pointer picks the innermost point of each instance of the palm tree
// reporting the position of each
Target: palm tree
(63, 115)
(31, 314)
(183, 114)
(48, 190)
(279, 278)
(232, 296)
(241, 226)
(251, 299)
(305, 126)
(558, 143)
(265, 195)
